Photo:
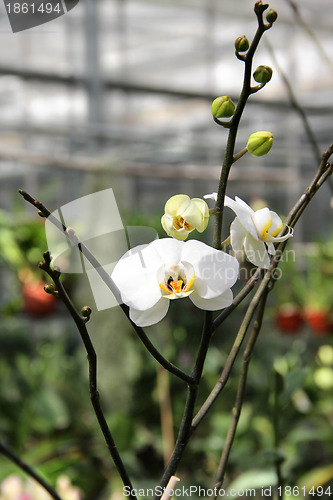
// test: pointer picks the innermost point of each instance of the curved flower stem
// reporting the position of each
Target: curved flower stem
(192, 391)
(4, 450)
(69, 232)
(322, 174)
(80, 322)
(239, 155)
(233, 353)
(236, 411)
(247, 90)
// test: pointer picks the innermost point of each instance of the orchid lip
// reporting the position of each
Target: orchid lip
(176, 284)
(278, 239)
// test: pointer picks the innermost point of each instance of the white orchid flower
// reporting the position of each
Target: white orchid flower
(255, 232)
(183, 215)
(149, 276)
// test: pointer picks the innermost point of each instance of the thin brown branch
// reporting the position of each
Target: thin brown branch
(7, 452)
(185, 428)
(236, 411)
(80, 322)
(70, 234)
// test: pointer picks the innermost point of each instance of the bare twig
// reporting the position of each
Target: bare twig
(69, 232)
(185, 426)
(80, 322)
(7, 452)
(236, 411)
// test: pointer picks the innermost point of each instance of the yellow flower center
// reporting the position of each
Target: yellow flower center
(180, 223)
(177, 287)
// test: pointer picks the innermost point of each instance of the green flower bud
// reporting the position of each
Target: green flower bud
(271, 16)
(241, 44)
(86, 311)
(263, 74)
(260, 143)
(49, 288)
(223, 107)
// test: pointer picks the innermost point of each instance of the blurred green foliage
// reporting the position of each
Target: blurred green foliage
(47, 418)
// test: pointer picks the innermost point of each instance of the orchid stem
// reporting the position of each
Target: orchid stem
(4, 450)
(226, 242)
(239, 155)
(229, 157)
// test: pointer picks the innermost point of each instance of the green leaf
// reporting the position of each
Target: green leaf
(316, 477)
(253, 479)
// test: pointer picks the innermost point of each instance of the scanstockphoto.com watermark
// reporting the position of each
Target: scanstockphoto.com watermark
(199, 492)
(189, 491)
(263, 491)
(26, 14)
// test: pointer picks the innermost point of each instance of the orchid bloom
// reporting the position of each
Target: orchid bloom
(254, 231)
(183, 215)
(149, 276)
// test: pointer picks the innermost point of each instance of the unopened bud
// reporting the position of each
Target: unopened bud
(260, 143)
(241, 44)
(259, 7)
(271, 16)
(263, 74)
(49, 288)
(223, 107)
(86, 311)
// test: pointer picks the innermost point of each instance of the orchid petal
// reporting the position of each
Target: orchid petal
(244, 213)
(215, 271)
(177, 204)
(262, 220)
(197, 214)
(276, 226)
(211, 196)
(168, 250)
(270, 248)
(237, 235)
(143, 291)
(256, 252)
(150, 316)
(243, 203)
(214, 304)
